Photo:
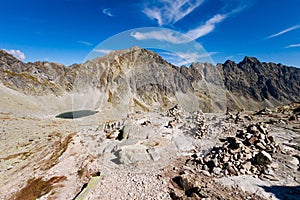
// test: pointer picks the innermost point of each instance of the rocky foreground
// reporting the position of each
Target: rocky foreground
(152, 155)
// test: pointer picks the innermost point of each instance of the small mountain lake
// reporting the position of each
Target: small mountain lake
(76, 114)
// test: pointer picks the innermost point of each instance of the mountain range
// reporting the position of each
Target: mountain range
(139, 79)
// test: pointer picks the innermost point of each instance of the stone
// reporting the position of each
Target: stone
(205, 167)
(260, 146)
(294, 162)
(248, 136)
(154, 155)
(175, 111)
(215, 162)
(252, 129)
(231, 170)
(132, 154)
(292, 118)
(205, 172)
(248, 156)
(262, 136)
(263, 158)
(217, 170)
(262, 129)
(226, 159)
(206, 159)
(253, 140)
(247, 166)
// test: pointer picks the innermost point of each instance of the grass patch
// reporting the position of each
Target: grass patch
(36, 188)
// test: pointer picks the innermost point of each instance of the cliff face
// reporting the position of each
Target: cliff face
(139, 79)
(39, 78)
(261, 83)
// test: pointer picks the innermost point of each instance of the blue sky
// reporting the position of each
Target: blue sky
(67, 31)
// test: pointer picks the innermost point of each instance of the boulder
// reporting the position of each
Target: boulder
(263, 158)
(133, 153)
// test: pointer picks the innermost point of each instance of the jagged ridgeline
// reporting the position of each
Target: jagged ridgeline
(138, 79)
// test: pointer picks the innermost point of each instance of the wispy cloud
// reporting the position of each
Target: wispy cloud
(85, 43)
(175, 10)
(293, 45)
(208, 27)
(103, 51)
(161, 35)
(17, 54)
(186, 58)
(175, 38)
(284, 31)
(107, 11)
(170, 11)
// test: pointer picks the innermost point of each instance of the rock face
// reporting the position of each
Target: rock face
(266, 83)
(138, 79)
(39, 78)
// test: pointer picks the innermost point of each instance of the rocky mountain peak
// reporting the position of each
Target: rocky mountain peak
(8, 61)
(250, 60)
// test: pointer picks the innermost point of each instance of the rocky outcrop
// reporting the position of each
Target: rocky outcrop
(267, 84)
(138, 79)
(39, 78)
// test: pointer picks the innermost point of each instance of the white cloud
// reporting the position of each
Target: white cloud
(161, 35)
(104, 51)
(17, 54)
(284, 31)
(184, 58)
(172, 37)
(85, 43)
(171, 11)
(107, 11)
(208, 27)
(293, 45)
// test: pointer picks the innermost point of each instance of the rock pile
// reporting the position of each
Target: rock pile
(265, 111)
(249, 152)
(196, 124)
(113, 129)
(193, 123)
(176, 111)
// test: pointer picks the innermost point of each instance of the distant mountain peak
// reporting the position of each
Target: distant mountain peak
(248, 59)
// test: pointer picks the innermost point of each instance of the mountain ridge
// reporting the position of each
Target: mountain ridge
(144, 80)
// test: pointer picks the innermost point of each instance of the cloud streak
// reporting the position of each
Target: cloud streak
(172, 11)
(167, 12)
(161, 35)
(173, 37)
(107, 11)
(185, 58)
(293, 45)
(103, 51)
(284, 31)
(85, 43)
(17, 54)
(208, 27)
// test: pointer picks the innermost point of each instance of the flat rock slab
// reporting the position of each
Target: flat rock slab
(133, 153)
